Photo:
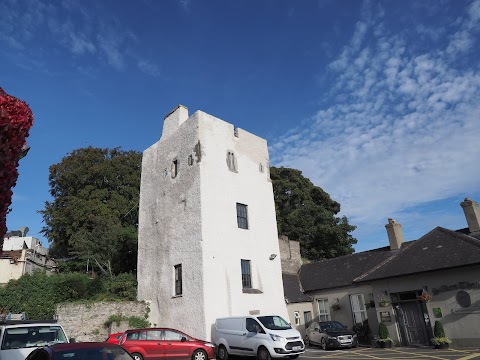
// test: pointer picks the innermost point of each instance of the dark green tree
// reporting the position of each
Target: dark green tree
(93, 217)
(307, 213)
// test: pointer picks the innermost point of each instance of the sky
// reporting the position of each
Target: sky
(376, 102)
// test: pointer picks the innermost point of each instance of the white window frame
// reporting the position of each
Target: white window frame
(296, 315)
(359, 310)
(323, 313)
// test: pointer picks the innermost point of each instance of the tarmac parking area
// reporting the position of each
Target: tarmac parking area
(393, 353)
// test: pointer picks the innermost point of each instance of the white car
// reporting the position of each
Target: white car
(18, 338)
(263, 336)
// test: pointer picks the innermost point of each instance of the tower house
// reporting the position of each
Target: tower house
(208, 243)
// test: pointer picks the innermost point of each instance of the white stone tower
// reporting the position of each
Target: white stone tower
(207, 240)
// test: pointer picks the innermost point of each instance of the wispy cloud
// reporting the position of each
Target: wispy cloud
(72, 28)
(149, 68)
(400, 126)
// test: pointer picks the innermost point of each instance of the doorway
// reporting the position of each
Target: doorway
(412, 318)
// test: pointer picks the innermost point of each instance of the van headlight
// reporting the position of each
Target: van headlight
(277, 338)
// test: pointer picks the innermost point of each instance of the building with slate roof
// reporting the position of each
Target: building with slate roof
(389, 284)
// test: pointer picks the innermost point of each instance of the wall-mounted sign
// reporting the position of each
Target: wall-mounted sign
(470, 310)
(465, 285)
(437, 312)
(385, 316)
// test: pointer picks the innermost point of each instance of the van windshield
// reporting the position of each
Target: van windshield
(32, 336)
(274, 322)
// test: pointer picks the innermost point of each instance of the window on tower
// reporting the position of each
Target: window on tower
(174, 168)
(231, 161)
(242, 216)
(178, 279)
(246, 274)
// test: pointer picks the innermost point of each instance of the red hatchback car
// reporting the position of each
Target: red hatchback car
(114, 338)
(165, 344)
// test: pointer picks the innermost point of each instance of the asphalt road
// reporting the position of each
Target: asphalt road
(400, 353)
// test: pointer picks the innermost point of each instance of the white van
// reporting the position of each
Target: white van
(18, 338)
(266, 337)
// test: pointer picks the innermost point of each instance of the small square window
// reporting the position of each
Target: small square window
(242, 216)
(178, 280)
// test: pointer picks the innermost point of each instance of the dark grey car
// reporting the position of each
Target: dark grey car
(329, 335)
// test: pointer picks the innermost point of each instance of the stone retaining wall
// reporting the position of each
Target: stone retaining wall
(85, 322)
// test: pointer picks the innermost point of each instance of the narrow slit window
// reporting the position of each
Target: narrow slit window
(174, 168)
(178, 280)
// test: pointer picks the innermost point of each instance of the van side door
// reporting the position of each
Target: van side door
(252, 337)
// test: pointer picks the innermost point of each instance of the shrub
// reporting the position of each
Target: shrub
(383, 334)
(38, 294)
(439, 334)
(363, 331)
(438, 331)
(134, 322)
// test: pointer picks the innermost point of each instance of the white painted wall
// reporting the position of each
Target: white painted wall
(192, 220)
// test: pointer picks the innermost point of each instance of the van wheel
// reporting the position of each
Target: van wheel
(199, 354)
(137, 356)
(222, 353)
(263, 354)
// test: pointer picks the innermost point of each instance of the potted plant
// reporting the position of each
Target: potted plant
(425, 297)
(336, 306)
(384, 340)
(440, 341)
(384, 302)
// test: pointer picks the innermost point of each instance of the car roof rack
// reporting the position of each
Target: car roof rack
(14, 319)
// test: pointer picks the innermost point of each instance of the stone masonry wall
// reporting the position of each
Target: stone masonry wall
(85, 322)
(289, 255)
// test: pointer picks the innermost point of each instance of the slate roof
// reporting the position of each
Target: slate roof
(292, 289)
(439, 249)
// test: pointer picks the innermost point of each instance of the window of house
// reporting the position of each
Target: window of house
(246, 274)
(178, 280)
(323, 310)
(174, 168)
(231, 161)
(242, 216)
(307, 318)
(296, 314)
(359, 310)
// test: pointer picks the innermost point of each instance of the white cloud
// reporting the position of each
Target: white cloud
(149, 68)
(401, 127)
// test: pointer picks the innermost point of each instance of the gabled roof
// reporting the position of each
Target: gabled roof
(340, 271)
(292, 289)
(439, 249)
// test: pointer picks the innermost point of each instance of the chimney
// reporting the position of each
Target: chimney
(470, 208)
(395, 234)
(174, 119)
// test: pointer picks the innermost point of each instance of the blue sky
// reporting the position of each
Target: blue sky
(377, 102)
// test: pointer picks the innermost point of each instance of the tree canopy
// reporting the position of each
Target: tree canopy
(93, 217)
(307, 214)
